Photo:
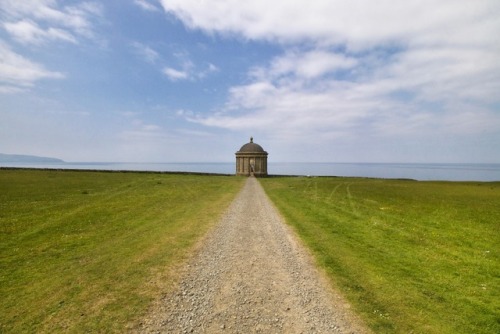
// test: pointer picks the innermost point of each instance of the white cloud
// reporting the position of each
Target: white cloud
(40, 22)
(174, 74)
(184, 113)
(357, 24)
(447, 73)
(211, 68)
(188, 70)
(311, 64)
(147, 53)
(185, 69)
(147, 6)
(27, 31)
(411, 96)
(140, 129)
(18, 73)
(359, 68)
(36, 21)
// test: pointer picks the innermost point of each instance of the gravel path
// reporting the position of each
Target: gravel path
(251, 275)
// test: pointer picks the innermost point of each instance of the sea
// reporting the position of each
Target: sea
(415, 171)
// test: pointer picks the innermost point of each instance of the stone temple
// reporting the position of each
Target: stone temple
(251, 160)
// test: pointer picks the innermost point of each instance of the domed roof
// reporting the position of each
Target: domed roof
(252, 147)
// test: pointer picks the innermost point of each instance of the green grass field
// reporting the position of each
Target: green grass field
(88, 251)
(412, 257)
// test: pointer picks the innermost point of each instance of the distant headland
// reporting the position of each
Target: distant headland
(26, 158)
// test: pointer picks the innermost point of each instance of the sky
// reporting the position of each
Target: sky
(413, 81)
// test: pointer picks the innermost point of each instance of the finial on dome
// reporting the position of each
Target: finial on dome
(251, 139)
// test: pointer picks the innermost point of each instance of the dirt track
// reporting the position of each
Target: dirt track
(251, 276)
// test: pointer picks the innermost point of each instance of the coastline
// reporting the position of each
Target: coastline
(402, 171)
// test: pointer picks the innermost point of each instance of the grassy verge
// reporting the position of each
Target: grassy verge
(412, 257)
(88, 251)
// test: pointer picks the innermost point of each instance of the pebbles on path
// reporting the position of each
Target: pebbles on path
(251, 276)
